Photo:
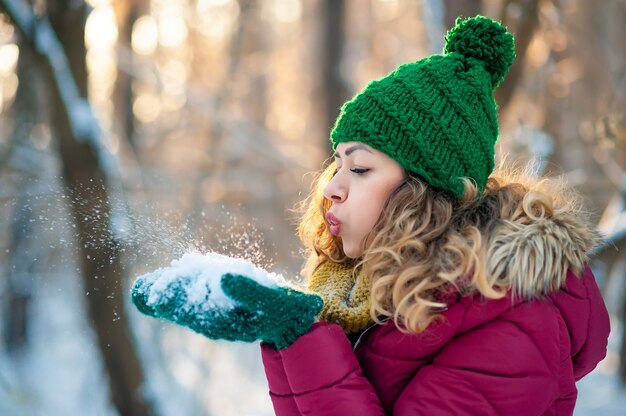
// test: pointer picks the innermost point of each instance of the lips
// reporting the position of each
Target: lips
(335, 224)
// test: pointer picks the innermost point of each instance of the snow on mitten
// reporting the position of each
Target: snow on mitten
(189, 293)
(173, 304)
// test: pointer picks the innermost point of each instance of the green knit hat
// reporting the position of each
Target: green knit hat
(437, 116)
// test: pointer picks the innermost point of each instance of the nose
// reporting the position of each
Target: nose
(335, 190)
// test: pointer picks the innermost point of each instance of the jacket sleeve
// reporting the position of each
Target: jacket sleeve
(319, 375)
(593, 349)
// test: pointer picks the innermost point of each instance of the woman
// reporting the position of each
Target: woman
(436, 286)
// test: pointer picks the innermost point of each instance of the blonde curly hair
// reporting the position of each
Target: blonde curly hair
(426, 243)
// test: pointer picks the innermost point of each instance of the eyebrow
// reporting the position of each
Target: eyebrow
(353, 149)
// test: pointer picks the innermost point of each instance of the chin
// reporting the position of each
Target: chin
(352, 252)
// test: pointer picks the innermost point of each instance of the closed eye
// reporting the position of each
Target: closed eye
(359, 171)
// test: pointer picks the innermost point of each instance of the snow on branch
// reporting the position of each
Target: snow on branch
(39, 33)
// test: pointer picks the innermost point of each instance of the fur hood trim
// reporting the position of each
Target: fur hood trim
(532, 253)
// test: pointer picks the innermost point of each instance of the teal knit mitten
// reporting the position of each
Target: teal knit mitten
(245, 310)
(279, 315)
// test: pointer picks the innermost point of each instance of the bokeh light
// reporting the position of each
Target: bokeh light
(172, 27)
(145, 36)
(9, 54)
(147, 107)
(101, 29)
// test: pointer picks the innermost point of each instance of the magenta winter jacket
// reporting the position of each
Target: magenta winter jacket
(487, 357)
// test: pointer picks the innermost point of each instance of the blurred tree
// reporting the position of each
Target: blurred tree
(60, 41)
(334, 91)
(19, 282)
(20, 258)
(87, 178)
(455, 8)
(127, 13)
(522, 19)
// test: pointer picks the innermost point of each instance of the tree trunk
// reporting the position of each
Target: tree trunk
(455, 8)
(524, 27)
(333, 88)
(126, 13)
(20, 259)
(19, 284)
(86, 180)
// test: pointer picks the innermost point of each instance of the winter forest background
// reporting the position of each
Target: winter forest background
(132, 132)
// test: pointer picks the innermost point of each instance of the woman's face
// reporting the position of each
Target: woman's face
(364, 180)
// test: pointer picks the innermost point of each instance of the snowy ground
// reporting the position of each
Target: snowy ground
(60, 374)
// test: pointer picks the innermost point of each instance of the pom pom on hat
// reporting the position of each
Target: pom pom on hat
(437, 116)
(485, 40)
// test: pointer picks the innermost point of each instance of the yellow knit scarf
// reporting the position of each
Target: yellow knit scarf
(346, 296)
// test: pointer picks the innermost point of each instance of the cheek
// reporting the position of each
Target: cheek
(372, 205)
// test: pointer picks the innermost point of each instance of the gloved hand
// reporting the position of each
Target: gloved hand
(281, 314)
(276, 315)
